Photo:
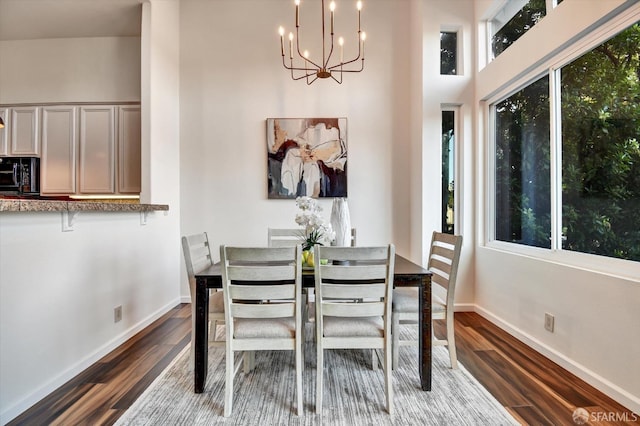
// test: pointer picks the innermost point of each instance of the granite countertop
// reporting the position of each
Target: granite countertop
(26, 205)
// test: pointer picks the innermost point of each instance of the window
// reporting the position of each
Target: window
(601, 149)
(448, 171)
(448, 53)
(512, 21)
(598, 180)
(522, 179)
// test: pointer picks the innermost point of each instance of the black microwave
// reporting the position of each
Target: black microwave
(19, 175)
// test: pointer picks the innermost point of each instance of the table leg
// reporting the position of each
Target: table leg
(201, 336)
(424, 350)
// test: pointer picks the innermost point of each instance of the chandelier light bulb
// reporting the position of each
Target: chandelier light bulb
(281, 31)
(359, 5)
(363, 36)
(341, 41)
(332, 6)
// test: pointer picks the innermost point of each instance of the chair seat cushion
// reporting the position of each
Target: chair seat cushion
(405, 300)
(267, 328)
(216, 302)
(353, 326)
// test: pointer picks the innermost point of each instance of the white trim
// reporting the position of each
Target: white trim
(612, 390)
(21, 406)
(609, 266)
(555, 158)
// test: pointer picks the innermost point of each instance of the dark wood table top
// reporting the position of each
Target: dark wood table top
(404, 272)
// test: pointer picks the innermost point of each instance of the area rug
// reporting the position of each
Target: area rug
(353, 393)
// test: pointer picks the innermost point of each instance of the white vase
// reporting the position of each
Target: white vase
(341, 222)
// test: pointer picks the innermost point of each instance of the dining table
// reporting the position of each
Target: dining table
(406, 274)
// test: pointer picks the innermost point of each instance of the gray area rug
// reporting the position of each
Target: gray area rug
(353, 393)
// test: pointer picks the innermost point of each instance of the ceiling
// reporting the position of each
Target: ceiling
(34, 19)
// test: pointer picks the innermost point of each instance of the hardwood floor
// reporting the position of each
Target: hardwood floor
(533, 389)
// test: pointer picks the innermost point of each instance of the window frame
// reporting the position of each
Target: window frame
(458, 29)
(458, 166)
(551, 66)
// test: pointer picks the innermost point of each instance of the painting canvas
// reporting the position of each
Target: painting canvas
(307, 157)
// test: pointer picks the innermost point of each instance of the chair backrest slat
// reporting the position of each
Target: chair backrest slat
(262, 292)
(345, 272)
(262, 310)
(260, 272)
(354, 291)
(340, 309)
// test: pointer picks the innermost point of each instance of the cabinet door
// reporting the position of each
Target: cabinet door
(25, 131)
(59, 141)
(97, 150)
(4, 132)
(129, 150)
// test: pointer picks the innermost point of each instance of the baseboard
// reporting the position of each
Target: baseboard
(27, 402)
(464, 307)
(603, 385)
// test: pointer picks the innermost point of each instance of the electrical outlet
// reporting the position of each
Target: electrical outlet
(117, 314)
(548, 322)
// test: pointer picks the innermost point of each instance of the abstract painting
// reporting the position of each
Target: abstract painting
(307, 156)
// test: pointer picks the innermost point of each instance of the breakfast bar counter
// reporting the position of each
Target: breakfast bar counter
(26, 205)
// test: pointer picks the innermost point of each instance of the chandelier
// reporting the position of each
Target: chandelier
(312, 69)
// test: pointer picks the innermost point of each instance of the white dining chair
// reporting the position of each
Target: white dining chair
(197, 257)
(444, 257)
(262, 290)
(353, 306)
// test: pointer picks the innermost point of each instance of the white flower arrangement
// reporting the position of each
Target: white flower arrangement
(316, 229)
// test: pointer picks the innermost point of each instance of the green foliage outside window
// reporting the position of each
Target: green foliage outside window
(601, 149)
(519, 24)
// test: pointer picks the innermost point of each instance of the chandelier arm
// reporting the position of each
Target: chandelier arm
(333, 68)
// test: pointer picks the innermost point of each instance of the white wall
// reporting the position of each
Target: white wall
(99, 69)
(595, 300)
(439, 91)
(58, 290)
(232, 79)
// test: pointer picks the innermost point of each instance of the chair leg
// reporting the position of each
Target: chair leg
(451, 341)
(228, 384)
(299, 369)
(319, 376)
(374, 360)
(249, 361)
(395, 336)
(388, 383)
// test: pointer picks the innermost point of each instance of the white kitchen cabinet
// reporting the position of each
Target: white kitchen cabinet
(4, 132)
(129, 150)
(97, 150)
(21, 136)
(59, 150)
